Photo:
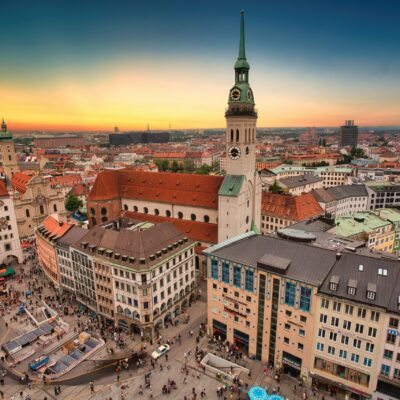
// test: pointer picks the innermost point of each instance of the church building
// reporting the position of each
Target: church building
(207, 209)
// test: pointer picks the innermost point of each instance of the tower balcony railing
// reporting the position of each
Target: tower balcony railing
(241, 111)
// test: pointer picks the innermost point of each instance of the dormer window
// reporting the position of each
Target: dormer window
(382, 271)
(371, 291)
(352, 287)
(333, 283)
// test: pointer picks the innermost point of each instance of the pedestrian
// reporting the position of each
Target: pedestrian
(91, 387)
(166, 357)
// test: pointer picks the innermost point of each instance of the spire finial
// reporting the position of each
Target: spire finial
(3, 125)
(242, 52)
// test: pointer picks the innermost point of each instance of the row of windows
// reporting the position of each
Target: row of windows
(305, 296)
(249, 135)
(41, 210)
(343, 354)
(349, 309)
(237, 275)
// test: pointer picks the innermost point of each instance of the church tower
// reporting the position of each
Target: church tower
(8, 156)
(239, 208)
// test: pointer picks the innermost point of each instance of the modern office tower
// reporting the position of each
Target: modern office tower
(348, 134)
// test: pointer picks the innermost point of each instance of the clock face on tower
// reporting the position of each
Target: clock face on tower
(234, 152)
(235, 94)
(249, 95)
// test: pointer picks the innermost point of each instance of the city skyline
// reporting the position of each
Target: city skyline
(128, 66)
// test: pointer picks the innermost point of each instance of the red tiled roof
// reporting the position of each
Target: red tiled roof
(55, 227)
(163, 187)
(194, 230)
(19, 181)
(294, 208)
(65, 180)
(3, 190)
(79, 190)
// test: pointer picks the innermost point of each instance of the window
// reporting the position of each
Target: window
(145, 210)
(336, 306)
(343, 354)
(394, 322)
(146, 304)
(375, 316)
(214, 269)
(331, 350)
(303, 319)
(324, 303)
(346, 325)
(388, 354)
(7, 247)
(349, 309)
(180, 215)
(323, 318)
(249, 280)
(287, 327)
(334, 321)
(333, 336)
(372, 332)
(357, 343)
(355, 358)
(290, 294)
(156, 211)
(385, 370)
(359, 328)
(300, 346)
(27, 213)
(168, 213)
(396, 373)
(286, 340)
(305, 298)
(320, 346)
(362, 312)
(345, 340)
(367, 362)
(225, 272)
(103, 211)
(55, 207)
(302, 332)
(237, 276)
(369, 347)
(321, 332)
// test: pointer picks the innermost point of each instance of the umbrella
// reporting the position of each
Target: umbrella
(257, 393)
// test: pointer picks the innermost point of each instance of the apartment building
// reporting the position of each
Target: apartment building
(383, 195)
(378, 233)
(393, 216)
(280, 211)
(342, 200)
(139, 274)
(328, 315)
(351, 309)
(300, 184)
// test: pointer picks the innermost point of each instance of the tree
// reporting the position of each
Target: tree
(73, 203)
(356, 152)
(164, 165)
(203, 170)
(275, 188)
(188, 166)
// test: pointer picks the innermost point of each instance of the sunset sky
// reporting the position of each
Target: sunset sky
(98, 64)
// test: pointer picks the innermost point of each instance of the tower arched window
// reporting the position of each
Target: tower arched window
(55, 207)
(103, 211)
(27, 213)
(126, 207)
(231, 135)
(193, 217)
(180, 214)
(156, 211)
(146, 210)
(135, 208)
(41, 209)
(237, 135)
(168, 213)
(206, 218)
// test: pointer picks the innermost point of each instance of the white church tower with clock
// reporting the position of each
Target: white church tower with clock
(239, 204)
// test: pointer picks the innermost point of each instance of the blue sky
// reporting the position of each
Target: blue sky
(301, 52)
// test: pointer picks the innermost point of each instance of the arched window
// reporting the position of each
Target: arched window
(135, 208)
(245, 135)
(55, 207)
(247, 219)
(237, 135)
(126, 207)
(206, 218)
(27, 213)
(92, 211)
(156, 211)
(103, 211)
(41, 209)
(254, 135)
(180, 215)
(103, 219)
(168, 213)
(231, 135)
(146, 210)
(193, 217)
(94, 222)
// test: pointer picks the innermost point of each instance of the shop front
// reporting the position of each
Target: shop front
(291, 364)
(241, 340)
(219, 330)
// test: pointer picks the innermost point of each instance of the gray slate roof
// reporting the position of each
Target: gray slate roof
(339, 193)
(74, 235)
(301, 180)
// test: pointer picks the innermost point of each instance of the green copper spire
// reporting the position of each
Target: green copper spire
(241, 62)
(242, 50)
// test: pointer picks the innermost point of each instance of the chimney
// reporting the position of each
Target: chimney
(338, 255)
